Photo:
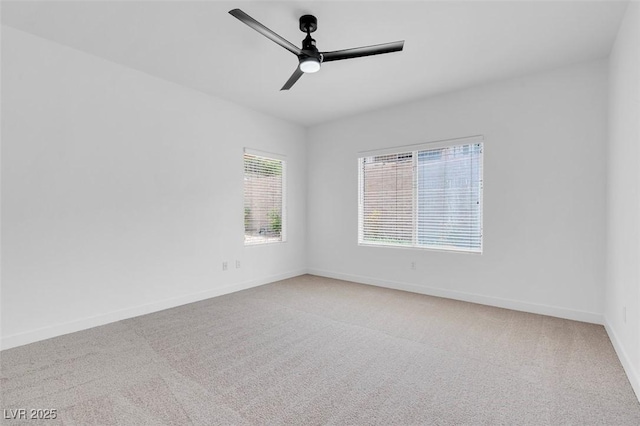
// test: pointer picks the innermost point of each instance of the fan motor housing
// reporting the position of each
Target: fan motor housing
(308, 23)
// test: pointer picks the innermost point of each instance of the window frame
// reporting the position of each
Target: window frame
(414, 150)
(283, 216)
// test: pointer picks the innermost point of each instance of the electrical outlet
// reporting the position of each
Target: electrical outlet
(413, 265)
(624, 314)
(237, 264)
(224, 266)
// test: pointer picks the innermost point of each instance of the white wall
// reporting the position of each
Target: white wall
(544, 194)
(623, 196)
(122, 193)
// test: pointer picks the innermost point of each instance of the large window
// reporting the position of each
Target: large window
(264, 198)
(427, 198)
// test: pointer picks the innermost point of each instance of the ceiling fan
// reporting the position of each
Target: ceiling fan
(309, 56)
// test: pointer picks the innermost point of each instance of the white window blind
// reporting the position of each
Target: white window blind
(427, 198)
(387, 199)
(264, 199)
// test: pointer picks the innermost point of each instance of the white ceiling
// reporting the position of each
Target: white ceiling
(449, 45)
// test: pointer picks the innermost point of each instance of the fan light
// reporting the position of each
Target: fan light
(310, 65)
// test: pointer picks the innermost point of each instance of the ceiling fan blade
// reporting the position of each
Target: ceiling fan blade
(357, 52)
(292, 80)
(265, 31)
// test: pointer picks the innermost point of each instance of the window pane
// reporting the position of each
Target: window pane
(449, 210)
(263, 199)
(387, 202)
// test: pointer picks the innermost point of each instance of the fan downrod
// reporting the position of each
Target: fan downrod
(308, 24)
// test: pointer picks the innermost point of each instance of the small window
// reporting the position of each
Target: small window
(427, 198)
(264, 199)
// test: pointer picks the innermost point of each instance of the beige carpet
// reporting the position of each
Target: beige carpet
(311, 350)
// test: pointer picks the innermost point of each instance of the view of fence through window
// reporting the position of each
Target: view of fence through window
(263, 199)
(427, 198)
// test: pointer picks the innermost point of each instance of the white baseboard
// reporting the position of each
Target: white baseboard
(515, 305)
(43, 333)
(632, 373)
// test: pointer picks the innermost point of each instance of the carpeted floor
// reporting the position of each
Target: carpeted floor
(312, 350)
